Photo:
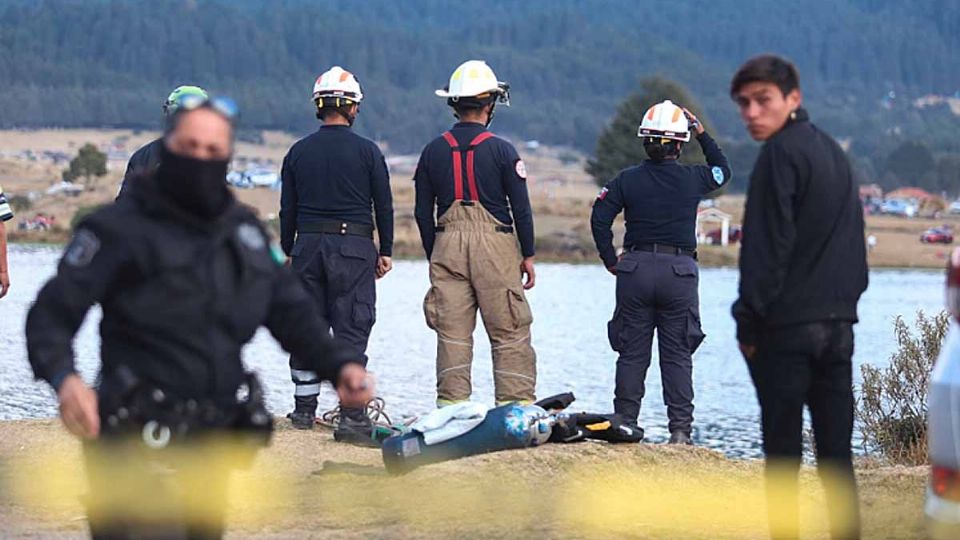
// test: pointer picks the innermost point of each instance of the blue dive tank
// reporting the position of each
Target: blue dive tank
(505, 427)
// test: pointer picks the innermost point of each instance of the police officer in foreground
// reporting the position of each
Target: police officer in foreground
(657, 275)
(185, 276)
(803, 267)
(148, 156)
(330, 180)
(476, 181)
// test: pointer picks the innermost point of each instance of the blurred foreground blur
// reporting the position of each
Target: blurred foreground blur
(307, 485)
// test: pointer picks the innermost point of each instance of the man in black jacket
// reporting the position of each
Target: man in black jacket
(802, 271)
(185, 276)
(147, 156)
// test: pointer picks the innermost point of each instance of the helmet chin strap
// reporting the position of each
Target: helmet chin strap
(351, 118)
(493, 106)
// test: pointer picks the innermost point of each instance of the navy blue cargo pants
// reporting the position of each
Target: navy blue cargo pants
(656, 291)
(339, 272)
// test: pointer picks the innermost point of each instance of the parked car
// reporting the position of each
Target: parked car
(937, 235)
(66, 188)
(898, 207)
(263, 178)
(955, 207)
(942, 507)
(733, 236)
(239, 180)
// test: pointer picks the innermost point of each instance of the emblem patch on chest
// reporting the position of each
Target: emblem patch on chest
(249, 235)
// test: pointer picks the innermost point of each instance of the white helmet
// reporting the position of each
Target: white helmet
(475, 79)
(665, 121)
(337, 83)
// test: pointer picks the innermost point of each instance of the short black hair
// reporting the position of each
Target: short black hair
(767, 68)
(172, 121)
(471, 103)
(343, 110)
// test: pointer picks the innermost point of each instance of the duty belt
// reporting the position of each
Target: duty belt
(138, 408)
(337, 227)
(506, 229)
(663, 248)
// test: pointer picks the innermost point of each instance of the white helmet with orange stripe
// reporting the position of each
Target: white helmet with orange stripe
(665, 121)
(337, 85)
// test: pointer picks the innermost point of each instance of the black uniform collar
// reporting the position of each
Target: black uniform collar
(153, 200)
(335, 126)
(798, 116)
(663, 162)
(469, 125)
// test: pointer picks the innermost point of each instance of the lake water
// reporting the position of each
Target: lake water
(571, 306)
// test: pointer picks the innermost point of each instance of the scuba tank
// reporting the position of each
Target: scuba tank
(506, 427)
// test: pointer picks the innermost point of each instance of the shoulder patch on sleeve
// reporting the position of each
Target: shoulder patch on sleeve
(717, 174)
(520, 168)
(251, 236)
(82, 248)
(603, 194)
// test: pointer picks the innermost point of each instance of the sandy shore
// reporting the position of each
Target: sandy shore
(307, 486)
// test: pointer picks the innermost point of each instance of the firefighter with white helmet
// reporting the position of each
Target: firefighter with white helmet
(481, 243)
(657, 274)
(330, 180)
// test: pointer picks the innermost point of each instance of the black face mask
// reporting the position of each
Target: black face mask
(198, 186)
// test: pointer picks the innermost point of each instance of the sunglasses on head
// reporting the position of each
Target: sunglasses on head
(223, 105)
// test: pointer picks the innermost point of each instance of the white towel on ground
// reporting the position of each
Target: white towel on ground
(451, 421)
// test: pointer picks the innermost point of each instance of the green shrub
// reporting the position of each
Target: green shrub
(20, 203)
(892, 405)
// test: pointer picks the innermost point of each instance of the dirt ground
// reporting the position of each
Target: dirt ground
(561, 194)
(307, 486)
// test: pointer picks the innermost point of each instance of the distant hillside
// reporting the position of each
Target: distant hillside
(111, 62)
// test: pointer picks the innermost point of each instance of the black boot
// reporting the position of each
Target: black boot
(680, 437)
(304, 413)
(355, 427)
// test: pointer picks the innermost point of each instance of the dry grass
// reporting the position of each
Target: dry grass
(321, 489)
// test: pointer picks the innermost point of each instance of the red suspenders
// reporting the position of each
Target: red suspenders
(458, 164)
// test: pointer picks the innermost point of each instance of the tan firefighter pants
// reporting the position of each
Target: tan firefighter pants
(475, 266)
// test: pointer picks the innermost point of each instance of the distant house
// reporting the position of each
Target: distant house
(909, 193)
(713, 215)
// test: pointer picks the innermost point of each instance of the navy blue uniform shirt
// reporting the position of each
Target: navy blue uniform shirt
(659, 200)
(501, 180)
(333, 175)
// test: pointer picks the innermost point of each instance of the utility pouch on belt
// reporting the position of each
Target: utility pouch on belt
(143, 412)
